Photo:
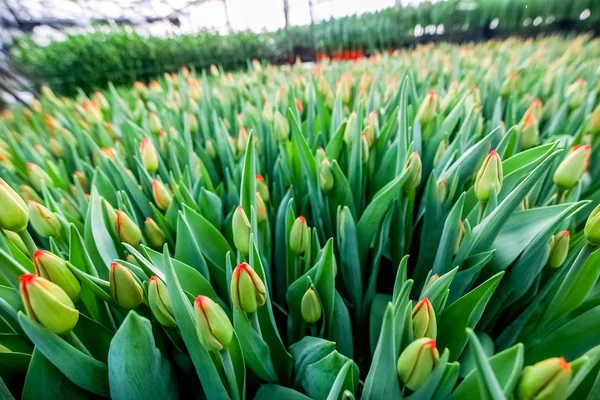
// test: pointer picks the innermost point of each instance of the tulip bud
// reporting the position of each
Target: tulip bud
(213, 327)
(416, 362)
(326, 175)
(37, 176)
(261, 208)
(54, 268)
(372, 121)
(281, 128)
(423, 320)
(559, 248)
(83, 182)
(14, 214)
(428, 108)
(160, 302)
(530, 132)
(162, 195)
(262, 188)
(459, 237)
(267, 111)
(571, 169)
(413, 169)
(128, 231)
(593, 121)
(534, 110)
(155, 235)
(17, 241)
(592, 227)
(299, 236)
(149, 156)
(443, 146)
(101, 100)
(124, 287)
(241, 230)
(46, 303)
(44, 221)
(247, 289)
(242, 140)
(310, 307)
(548, 379)
(155, 124)
(510, 84)
(350, 128)
(489, 177)
(576, 93)
(56, 148)
(194, 128)
(344, 88)
(209, 149)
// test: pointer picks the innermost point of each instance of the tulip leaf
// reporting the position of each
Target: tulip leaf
(80, 368)
(184, 315)
(11, 270)
(248, 183)
(45, 381)
(505, 367)
(135, 366)
(98, 240)
(271, 391)
(345, 381)
(306, 352)
(350, 267)
(464, 313)
(382, 379)
(489, 386)
(187, 249)
(320, 376)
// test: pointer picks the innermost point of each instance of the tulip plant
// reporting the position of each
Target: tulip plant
(419, 225)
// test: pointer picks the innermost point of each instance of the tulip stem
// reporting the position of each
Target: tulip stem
(26, 238)
(230, 374)
(253, 316)
(313, 330)
(74, 341)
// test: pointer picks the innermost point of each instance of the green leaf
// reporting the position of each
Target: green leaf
(136, 368)
(464, 313)
(271, 391)
(80, 368)
(382, 379)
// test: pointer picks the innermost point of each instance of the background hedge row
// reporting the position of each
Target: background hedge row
(92, 60)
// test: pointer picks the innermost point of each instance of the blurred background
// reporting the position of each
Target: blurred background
(71, 44)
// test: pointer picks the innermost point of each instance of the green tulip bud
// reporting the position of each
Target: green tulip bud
(17, 241)
(281, 128)
(37, 176)
(530, 132)
(54, 268)
(125, 289)
(28, 193)
(548, 379)
(571, 169)
(261, 208)
(534, 110)
(299, 236)
(241, 230)
(350, 128)
(56, 148)
(155, 235)
(428, 108)
(592, 227)
(310, 307)
(364, 146)
(592, 124)
(160, 302)
(247, 289)
(128, 231)
(326, 175)
(417, 361)
(372, 121)
(209, 149)
(423, 320)
(262, 188)
(414, 168)
(267, 111)
(510, 84)
(149, 155)
(459, 237)
(489, 177)
(559, 248)
(14, 214)
(44, 221)
(213, 327)
(194, 128)
(46, 303)
(162, 195)
(576, 93)
(443, 146)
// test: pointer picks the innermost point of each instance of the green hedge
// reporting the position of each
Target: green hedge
(92, 60)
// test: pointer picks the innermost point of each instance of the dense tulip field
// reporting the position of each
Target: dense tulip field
(420, 224)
